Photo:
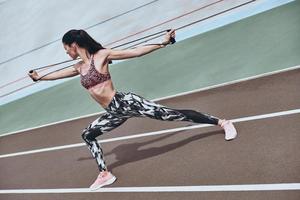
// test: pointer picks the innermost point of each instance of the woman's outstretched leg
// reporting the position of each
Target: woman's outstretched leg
(198, 117)
(150, 109)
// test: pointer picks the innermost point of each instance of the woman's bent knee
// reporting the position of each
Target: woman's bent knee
(90, 134)
(85, 134)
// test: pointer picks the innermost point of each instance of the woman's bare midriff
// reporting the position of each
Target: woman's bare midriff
(103, 93)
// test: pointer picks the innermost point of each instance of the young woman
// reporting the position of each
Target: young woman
(119, 106)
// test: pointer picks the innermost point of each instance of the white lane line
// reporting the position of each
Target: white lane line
(251, 118)
(164, 98)
(204, 188)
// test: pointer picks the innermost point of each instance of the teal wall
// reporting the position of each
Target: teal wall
(262, 43)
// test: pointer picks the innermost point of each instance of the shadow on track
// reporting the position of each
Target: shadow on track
(132, 152)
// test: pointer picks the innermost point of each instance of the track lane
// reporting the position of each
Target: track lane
(197, 157)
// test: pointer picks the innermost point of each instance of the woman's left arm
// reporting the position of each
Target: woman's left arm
(139, 51)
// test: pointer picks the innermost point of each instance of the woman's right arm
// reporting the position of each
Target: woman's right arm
(65, 73)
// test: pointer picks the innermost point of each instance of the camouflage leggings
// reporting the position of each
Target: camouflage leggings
(126, 105)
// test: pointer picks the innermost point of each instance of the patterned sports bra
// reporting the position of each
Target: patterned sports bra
(93, 77)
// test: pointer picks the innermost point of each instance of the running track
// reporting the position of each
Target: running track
(266, 151)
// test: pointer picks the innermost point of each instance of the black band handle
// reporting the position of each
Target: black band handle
(172, 40)
(34, 80)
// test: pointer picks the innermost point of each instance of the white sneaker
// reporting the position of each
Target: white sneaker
(230, 131)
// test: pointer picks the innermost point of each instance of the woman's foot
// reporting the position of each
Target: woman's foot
(104, 178)
(230, 131)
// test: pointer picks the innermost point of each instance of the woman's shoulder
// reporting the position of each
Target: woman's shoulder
(78, 65)
(102, 54)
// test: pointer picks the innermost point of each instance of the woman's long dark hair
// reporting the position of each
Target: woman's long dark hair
(83, 39)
